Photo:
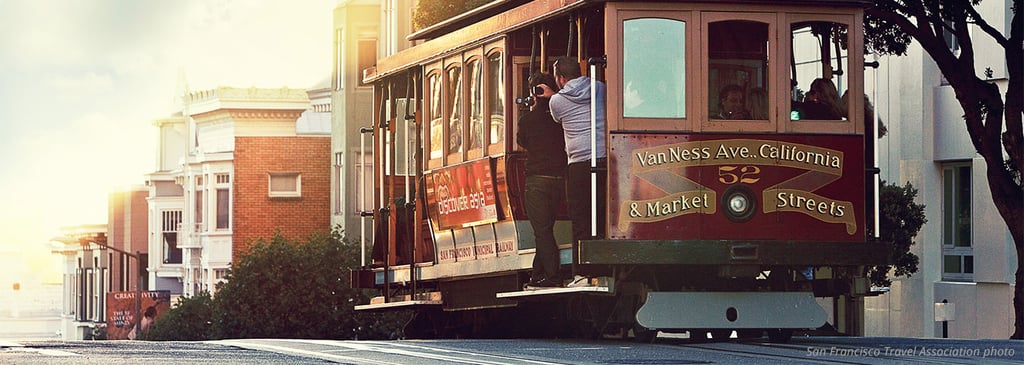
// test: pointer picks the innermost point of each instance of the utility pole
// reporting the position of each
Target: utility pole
(86, 242)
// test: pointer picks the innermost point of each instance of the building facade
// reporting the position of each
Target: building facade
(364, 30)
(967, 256)
(166, 204)
(250, 163)
(103, 258)
(356, 35)
(127, 230)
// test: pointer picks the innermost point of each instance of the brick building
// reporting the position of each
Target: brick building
(236, 166)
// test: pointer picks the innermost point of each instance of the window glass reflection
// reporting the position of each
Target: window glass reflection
(436, 122)
(496, 98)
(818, 60)
(738, 70)
(476, 107)
(454, 109)
(654, 68)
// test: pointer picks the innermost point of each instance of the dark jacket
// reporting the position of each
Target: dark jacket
(544, 143)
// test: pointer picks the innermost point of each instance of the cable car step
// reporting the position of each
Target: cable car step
(534, 293)
(424, 299)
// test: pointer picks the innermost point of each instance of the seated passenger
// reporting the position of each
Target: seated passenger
(731, 104)
(757, 103)
(821, 102)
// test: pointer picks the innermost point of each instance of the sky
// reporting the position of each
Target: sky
(82, 80)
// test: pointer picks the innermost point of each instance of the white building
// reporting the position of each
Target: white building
(967, 255)
(84, 279)
(217, 171)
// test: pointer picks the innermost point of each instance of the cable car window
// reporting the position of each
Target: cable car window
(654, 68)
(436, 122)
(476, 104)
(496, 98)
(818, 61)
(738, 70)
(454, 109)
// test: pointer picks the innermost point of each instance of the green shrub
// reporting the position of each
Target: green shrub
(900, 218)
(282, 289)
(191, 319)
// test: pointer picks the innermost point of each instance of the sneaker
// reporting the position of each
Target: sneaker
(543, 284)
(578, 282)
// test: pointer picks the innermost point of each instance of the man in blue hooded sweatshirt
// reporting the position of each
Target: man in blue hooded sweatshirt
(570, 107)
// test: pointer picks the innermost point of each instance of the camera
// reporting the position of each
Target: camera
(529, 99)
(525, 101)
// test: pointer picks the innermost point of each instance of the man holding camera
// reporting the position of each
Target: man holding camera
(545, 179)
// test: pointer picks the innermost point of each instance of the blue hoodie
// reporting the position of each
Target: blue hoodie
(571, 108)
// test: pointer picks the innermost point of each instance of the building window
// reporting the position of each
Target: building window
(339, 182)
(361, 196)
(199, 209)
(223, 208)
(339, 57)
(367, 56)
(957, 248)
(171, 224)
(285, 184)
(951, 41)
(222, 198)
(200, 186)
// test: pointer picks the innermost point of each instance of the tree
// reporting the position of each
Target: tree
(282, 289)
(900, 219)
(285, 289)
(430, 12)
(891, 25)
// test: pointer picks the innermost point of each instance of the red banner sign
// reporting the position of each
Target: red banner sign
(122, 312)
(462, 195)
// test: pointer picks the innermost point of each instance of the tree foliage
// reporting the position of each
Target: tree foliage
(190, 320)
(430, 12)
(282, 289)
(892, 24)
(900, 219)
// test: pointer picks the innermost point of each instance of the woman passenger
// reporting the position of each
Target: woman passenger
(822, 102)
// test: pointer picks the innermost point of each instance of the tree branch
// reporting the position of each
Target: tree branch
(987, 28)
(966, 43)
(895, 18)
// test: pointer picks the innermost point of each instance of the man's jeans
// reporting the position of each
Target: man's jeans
(544, 195)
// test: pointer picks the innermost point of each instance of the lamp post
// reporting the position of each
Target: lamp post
(102, 242)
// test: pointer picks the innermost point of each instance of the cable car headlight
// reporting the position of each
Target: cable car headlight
(738, 203)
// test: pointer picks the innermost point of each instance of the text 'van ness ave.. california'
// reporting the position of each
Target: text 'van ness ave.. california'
(691, 153)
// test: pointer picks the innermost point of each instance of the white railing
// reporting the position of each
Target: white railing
(189, 235)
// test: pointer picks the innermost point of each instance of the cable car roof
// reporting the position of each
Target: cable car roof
(501, 16)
